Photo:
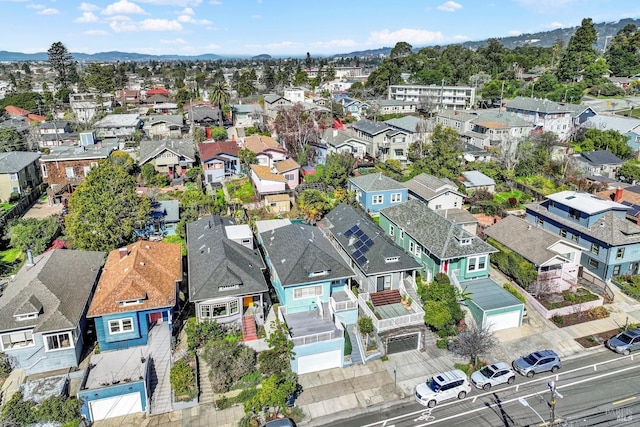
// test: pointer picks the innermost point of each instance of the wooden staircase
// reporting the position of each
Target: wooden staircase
(249, 332)
(386, 297)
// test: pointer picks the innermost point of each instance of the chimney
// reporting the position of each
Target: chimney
(123, 252)
(617, 197)
(29, 258)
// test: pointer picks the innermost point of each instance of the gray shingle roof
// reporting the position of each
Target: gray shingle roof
(538, 105)
(118, 120)
(297, 250)
(604, 157)
(336, 138)
(174, 119)
(343, 217)
(437, 234)
(376, 182)
(406, 123)
(181, 147)
(15, 161)
(531, 242)
(59, 284)
(370, 127)
(428, 186)
(612, 229)
(215, 261)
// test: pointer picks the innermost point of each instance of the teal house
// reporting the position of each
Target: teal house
(440, 245)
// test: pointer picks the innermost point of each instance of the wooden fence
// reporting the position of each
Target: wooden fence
(23, 205)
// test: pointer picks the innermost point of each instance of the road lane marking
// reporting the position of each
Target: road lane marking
(628, 399)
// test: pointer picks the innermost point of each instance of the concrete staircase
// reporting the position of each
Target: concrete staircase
(356, 354)
(249, 332)
(204, 384)
(160, 354)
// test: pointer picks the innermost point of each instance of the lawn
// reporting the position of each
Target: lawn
(241, 189)
(5, 207)
(10, 255)
(506, 195)
(633, 113)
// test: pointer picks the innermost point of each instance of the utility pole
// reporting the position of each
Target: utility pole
(552, 387)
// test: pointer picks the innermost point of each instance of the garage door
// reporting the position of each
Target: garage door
(403, 343)
(320, 361)
(504, 320)
(115, 406)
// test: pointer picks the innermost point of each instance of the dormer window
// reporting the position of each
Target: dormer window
(25, 316)
(228, 287)
(392, 259)
(319, 273)
(465, 241)
(130, 302)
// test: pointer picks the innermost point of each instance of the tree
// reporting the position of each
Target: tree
(630, 171)
(100, 78)
(62, 62)
(229, 361)
(610, 139)
(622, 53)
(297, 127)
(338, 168)
(32, 233)
(273, 393)
(442, 157)
(218, 133)
(10, 140)
(105, 209)
(580, 52)
(475, 341)
(440, 300)
(365, 325)
(220, 95)
(247, 158)
(313, 204)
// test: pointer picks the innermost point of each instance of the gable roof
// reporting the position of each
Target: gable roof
(376, 182)
(58, 286)
(342, 218)
(370, 127)
(264, 172)
(118, 120)
(286, 165)
(172, 119)
(12, 110)
(218, 266)
(209, 150)
(15, 161)
(409, 124)
(435, 233)
(531, 242)
(539, 105)
(298, 250)
(203, 112)
(261, 143)
(337, 138)
(181, 147)
(476, 179)
(618, 123)
(144, 270)
(429, 187)
(603, 157)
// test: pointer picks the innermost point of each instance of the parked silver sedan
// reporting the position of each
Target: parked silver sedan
(492, 375)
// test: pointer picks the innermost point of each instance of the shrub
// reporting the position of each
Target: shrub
(464, 367)
(246, 395)
(441, 343)
(223, 403)
(598, 312)
(182, 378)
(513, 291)
(557, 319)
(347, 344)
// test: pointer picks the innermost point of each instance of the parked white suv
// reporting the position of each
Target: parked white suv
(444, 386)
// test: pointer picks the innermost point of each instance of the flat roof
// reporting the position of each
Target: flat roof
(488, 295)
(238, 231)
(114, 367)
(585, 202)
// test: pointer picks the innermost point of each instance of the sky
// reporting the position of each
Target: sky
(283, 27)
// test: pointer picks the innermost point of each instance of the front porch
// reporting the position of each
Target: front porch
(387, 310)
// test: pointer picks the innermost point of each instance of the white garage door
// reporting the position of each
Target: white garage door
(500, 321)
(115, 406)
(320, 361)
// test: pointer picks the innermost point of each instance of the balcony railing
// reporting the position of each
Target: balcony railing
(415, 317)
(313, 338)
(350, 304)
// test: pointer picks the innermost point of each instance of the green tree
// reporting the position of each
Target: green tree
(338, 168)
(105, 209)
(100, 78)
(61, 62)
(32, 233)
(10, 140)
(630, 171)
(313, 205)
(220, 95)
(273, 394)
(596, 139)
(622, 53)
(580, 52)
(218, 133)
(442, 157)
(440, 301)
(247, 158)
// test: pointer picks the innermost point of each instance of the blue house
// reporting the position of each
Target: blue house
(611, 243)
(377, 191)
(43, 310)
(439, 244)
(385, 276)
(309, 277)
(133, 310)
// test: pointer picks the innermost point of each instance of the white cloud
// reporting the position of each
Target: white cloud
(556, 24)
(409, 35)
(187, 11)
(49, 11)
(86, 18)
(215, 3)
(211, 46)
(174, 41)
(88, 7)
(449, 6)
(35, 6)
(122, 26)
(123, 7)
(187, 19)
(96, 33)
(335, 43)
(179, 3)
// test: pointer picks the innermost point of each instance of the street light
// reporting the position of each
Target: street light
(524, 402)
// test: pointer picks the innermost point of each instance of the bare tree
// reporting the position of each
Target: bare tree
(475, 342)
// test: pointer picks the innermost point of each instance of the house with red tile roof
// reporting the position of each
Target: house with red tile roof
(16, 112)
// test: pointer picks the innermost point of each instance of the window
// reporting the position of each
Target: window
(401, 234)
(307, 292)
(418, 252)
(392, 259)
(482, 263)
(220, 309)
(13, 176)
(574, 214)
(412, 246)
(392, 230)
(563, 232)
(58, 341)
(17, 339)
(396, 197)
(595, 248)
(540, 222)
(476, 263)
(620, 253)
(69, 172)
(377, 199)
(616, 270)
(120, 326)
(289, 176)
(593, 263)
(86, 170)
(318, 273)
(575, 238)
(45, 174)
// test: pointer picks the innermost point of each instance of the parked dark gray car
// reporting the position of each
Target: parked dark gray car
(625, 342)
(536, 362)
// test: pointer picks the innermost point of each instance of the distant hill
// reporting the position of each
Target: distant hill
(544, 39)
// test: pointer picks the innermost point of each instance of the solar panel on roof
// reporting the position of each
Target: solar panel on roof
(359, 232)
(364, 249)
(358, 244)
(361, 260)
(357, 253)
(350, 231)
(368, 243)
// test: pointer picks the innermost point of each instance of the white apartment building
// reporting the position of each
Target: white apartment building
(441, 97)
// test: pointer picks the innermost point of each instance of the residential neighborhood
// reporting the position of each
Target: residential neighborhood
(241, 242)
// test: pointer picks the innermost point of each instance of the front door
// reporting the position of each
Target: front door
(155, 317)
(380, 284)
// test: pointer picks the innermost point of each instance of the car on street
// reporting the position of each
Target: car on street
(492, 375)
(625, 342)
(536, 362)
(282, 422)
(443, 386)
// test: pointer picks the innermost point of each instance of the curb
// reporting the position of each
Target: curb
(345, 414)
